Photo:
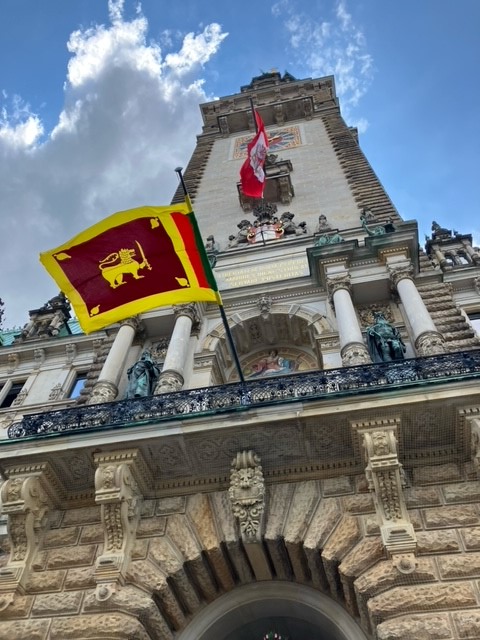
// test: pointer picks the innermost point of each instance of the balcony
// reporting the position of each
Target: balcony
(318, 386)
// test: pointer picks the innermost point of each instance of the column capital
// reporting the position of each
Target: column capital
(133, 322)
(188, 310)
(400, 272)
(337, 282)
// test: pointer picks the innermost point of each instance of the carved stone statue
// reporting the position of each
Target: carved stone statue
(384, 341)
(323, 226)
(142, 377)
(289, 227)
(244, 227)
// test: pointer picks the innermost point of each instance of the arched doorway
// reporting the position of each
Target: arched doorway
(295, 611)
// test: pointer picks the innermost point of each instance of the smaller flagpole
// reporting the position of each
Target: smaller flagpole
(231, 343)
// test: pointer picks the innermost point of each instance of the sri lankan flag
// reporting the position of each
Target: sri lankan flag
(131, 262)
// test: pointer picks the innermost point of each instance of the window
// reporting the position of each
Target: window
(78, 386)
(7, 399)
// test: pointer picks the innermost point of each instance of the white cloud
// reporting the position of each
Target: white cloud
(326, 45)
(130, 117)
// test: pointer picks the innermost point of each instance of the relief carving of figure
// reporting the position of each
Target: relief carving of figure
(142, 377)
(384, 341)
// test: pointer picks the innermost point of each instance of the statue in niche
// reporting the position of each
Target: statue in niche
(142, 377)
(384, 340)
(273, 364)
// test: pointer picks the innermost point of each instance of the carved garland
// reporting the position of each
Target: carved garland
(247, 493)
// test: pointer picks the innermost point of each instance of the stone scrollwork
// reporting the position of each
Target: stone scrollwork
(247, 494)
(386, 481)
(117, 489)
(27, 496)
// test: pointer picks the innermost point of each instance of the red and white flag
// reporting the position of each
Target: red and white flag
(252, 174)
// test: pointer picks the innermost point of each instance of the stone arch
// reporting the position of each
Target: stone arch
(284, 324)
(250, 610)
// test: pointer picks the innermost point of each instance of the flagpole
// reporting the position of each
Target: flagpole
(231, 343)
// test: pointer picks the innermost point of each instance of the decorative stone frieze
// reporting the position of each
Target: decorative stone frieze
(119, 478)
(56, 392)
(27, 496)
(385, 479)
(247, 494)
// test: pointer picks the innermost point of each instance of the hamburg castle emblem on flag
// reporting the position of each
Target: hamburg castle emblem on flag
(131, 262)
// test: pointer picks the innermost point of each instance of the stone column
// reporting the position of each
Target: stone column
(428, 341)
(106, 388)
(171, 378)
(352, 348)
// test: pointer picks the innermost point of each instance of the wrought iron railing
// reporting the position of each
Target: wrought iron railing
(253, 393)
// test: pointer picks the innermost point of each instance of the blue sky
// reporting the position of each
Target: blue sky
(99, 103)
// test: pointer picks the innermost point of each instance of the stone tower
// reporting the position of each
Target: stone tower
(333, 492)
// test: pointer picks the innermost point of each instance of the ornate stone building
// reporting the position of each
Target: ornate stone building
(333, 493)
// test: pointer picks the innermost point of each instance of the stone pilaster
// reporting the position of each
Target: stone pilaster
(120, 481)
(352, 349)
(27, 496)
(106, 389)
(171, 378)
(386, 481)
(427, 339)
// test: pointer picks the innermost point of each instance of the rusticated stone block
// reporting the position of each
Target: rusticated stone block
(140, 549)
(471, 537)
(422, 598)
(85, 515)
(71, 556)
(61, 537)
(323, 522)
(92, 534)
(384, 575)
(19, 607)
(467, 624)
(134, 601)
(336, 486)
(167, 506)
(424, 627)
(45, 581)
(422, 497)
(342, 539)
(451, 516)
(80, 578)
(437, 541)
(360, 503)
(23, 629)
(460, 566)
(366, 553)
(151, 527)
(52, 604)
(462, 492)
(105, 625)
(437, 473)
(148, 508)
